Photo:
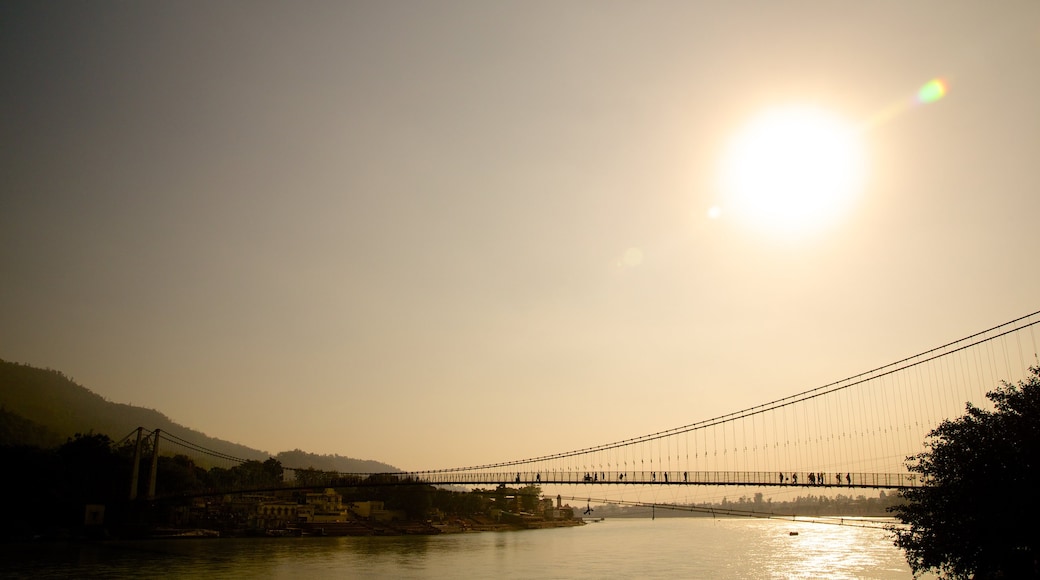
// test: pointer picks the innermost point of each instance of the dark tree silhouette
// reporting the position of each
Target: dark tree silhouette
(958, 524)
(314, 477)
(529, 497)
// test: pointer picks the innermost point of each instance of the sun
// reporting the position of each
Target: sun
(794, 170)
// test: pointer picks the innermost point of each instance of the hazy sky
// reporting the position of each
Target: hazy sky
(445, 233)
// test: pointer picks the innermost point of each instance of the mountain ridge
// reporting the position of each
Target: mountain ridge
(44, 407)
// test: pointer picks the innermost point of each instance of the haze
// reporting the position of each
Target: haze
(447, 233)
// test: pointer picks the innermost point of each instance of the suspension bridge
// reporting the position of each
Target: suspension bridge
(852, 433)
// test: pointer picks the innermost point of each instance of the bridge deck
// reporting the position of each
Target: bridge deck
(746, 478)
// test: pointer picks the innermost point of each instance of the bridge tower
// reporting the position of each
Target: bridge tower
(155, 466)
(137, 465)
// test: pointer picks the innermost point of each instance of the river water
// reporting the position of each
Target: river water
(613, 548)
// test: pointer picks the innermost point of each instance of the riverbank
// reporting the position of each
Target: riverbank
(346, 528)
(456, 525)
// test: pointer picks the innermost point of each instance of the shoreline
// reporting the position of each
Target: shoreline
(350, 528)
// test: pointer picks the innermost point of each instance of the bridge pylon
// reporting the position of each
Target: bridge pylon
(135, 473)
(155, 465)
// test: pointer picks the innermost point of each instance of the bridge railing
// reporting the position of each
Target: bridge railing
(537, 478)
(653, 477)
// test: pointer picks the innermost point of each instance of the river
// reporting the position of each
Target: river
(613, 548)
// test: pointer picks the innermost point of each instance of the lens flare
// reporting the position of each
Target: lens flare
(932, 91)
(929, 93)
(631, 258)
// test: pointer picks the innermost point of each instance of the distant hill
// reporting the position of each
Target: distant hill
(43, 408)
(297, 458)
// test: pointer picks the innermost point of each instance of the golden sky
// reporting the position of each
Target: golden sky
(446, 233)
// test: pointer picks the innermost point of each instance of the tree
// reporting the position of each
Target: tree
(528, 497)
(180, 475)
(311, 477)
(93, 471)
(960, 523)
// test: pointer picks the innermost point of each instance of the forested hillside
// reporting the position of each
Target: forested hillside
(43, 408)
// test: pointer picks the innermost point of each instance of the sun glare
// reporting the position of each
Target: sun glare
(793, 170)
